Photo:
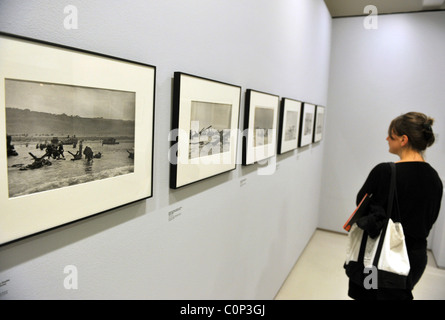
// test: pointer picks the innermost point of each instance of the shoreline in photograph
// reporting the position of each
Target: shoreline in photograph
(34, 170)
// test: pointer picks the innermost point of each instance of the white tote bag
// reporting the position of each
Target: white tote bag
(394, 255)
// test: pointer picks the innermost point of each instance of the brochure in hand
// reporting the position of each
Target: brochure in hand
(359, 212)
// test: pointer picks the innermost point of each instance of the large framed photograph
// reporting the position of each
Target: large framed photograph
(307, 124)
(77, 135)
(205, 128)
(290, 113)
(319, 123)
(260, 121)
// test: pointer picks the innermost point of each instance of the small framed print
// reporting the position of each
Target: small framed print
(260, 121)
(77, 135)
(289, 125)
(319, 123)
(307, 124)
(205, 123)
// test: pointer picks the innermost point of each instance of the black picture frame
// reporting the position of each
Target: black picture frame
(306, 124)
(260, 126)
(290, 113)
(105, 104)
(205, 125)
(319, 123)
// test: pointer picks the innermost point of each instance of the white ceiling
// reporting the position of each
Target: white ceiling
(347, 8)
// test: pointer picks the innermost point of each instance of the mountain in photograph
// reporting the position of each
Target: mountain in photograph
(24, 121)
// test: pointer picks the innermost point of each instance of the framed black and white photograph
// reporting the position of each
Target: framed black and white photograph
(307, 124)
(205, 124)
(260, 121)
(77, 133)
(290, 112)
(319, 123)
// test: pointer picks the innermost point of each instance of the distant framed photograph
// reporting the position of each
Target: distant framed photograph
(290, 112)
(307, 124)
(319, 123)
(77, 135)
(260, 121)
(205, 127)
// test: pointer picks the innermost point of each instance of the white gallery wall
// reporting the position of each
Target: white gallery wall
(234, 236)
(376, 75)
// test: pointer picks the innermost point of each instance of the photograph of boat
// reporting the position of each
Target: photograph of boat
(263, 126)
(109, 141)
(209, 128)
(61, 135)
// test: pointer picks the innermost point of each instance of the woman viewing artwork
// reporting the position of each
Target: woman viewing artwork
(419, 192)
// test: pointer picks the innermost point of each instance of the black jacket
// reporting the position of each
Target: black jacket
(419, 191)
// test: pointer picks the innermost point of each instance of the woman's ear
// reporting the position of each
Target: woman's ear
(404, 140)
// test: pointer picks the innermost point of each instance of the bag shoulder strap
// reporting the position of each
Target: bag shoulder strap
(393, 197)
(392, 186)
